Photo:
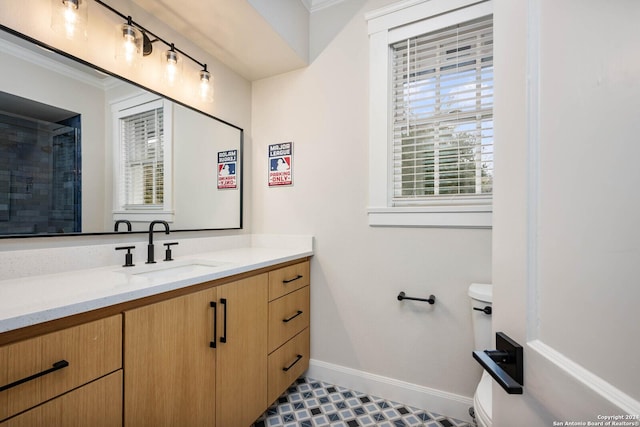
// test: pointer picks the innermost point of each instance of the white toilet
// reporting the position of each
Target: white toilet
(481, 298)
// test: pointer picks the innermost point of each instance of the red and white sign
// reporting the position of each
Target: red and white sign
(281, 164)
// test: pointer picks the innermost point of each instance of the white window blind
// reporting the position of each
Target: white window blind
(142, 157)
(442, 114)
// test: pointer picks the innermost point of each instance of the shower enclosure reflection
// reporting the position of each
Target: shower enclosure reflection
(40, 175)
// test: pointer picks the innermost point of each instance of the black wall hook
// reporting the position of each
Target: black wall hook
(430, 300)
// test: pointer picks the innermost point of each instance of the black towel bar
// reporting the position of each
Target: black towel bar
(430, 300)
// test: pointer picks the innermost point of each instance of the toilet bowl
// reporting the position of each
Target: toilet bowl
(482, 401)
(481, 297)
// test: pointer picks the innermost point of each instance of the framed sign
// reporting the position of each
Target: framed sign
(227, 166)
(281, 164)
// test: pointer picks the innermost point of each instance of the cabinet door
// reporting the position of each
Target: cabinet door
(242, 351)
(169, 364)
(97, 404)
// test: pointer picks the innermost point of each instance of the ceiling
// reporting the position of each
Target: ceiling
(237, 34)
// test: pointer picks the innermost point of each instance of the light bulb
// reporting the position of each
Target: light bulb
(129, 48)
(206, 86)
(68, 18)
(172, 66)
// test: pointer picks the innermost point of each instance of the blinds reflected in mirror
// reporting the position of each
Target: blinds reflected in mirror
(142, 158)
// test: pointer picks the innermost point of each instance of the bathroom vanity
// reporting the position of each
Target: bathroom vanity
(208, 341)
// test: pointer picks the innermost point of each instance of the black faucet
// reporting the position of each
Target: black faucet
(150, 251)
(122, 221)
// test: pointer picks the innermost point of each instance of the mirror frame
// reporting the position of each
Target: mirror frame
(101, 70)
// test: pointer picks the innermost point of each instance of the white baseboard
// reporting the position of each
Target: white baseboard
(432, 400)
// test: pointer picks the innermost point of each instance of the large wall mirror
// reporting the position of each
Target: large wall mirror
(81, 149)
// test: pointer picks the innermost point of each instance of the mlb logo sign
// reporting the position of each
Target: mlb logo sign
(280, 164)
(227, 169)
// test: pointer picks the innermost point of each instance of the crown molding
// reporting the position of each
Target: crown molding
(307, 3)
(48, 63)
(315, 5)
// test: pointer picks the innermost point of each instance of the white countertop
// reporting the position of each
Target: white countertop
(31, 300)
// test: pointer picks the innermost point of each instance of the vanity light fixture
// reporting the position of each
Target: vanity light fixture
(136, 44)
(69, 18)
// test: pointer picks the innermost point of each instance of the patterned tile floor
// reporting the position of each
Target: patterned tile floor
(311, 403)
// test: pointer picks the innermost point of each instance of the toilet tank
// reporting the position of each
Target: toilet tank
(481, 295)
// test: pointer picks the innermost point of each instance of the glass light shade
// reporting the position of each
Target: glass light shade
(205, 87)
(69, 18)
(128, 44)
(172, 63)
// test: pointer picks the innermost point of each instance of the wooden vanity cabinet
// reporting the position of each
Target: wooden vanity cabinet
(76, 371)
(179, 370)
(289, 303)
(215, 354)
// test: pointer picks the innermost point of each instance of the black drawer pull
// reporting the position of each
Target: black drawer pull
(56, 366)
(223, 338)
(292, 280)
(292, 317)
(212, 344)
(298, 357)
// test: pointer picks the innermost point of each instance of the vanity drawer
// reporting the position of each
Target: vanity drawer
(288, 279)
(288, 316)
(97, 404)
(287, 363)
(92, 350)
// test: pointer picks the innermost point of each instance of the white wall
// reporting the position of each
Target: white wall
(358, 271)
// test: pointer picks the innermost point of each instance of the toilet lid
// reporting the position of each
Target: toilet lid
(481, 292)
(482, 400)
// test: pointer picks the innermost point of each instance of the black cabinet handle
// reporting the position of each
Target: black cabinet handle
(212, 344)
(56, 366)
(223, 338)
(298, 357)
(292, 317)
(292, 280)
(486, 310)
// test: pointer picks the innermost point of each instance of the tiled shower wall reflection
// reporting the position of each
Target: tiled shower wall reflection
(38, 182)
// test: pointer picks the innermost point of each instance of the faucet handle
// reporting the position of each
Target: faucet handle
(128, 258)
(167, 252)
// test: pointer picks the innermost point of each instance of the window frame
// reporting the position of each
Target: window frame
(127, 107)
(387, 26)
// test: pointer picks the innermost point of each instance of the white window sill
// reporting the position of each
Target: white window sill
(144, 215)
(437, 216)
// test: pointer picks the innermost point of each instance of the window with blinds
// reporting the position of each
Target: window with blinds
(142, 157)
(442, 113)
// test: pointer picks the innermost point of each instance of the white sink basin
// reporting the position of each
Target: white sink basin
(178, 270)
(170, 270)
